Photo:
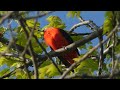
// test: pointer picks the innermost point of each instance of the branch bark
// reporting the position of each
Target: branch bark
(30, 49)
(6, 16)
(87, 54)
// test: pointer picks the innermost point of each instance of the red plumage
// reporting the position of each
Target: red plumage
(58, 38)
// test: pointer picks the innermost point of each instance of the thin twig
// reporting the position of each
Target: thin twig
(113, 54)
(106, 76)
(86, 76)
(88, 25)
(26, 67)
(39, 16)
(77, 34)
(8, 74)
(22, 22)
(47, 54)
(8, 47)
(6, 16)
(101, 59)
(78, 25)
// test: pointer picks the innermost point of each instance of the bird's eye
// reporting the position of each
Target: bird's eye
(43, 30)
(48, 33)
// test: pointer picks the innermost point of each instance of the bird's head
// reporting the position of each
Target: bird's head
(49, 28)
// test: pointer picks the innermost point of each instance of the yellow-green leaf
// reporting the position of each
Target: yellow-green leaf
(73, 13)
(48, 71)
(108, 26)
(87, 66)
(54, 21)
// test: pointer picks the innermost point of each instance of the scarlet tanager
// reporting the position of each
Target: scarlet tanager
(57, 38)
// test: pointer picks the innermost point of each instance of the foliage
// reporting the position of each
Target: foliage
(86, 67)
(73, 14)
(47, 69)
(55, 21)
(108, 23)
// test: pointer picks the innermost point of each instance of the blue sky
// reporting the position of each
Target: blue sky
(96, 16)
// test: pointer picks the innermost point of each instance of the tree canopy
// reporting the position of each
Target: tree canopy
(24, 54)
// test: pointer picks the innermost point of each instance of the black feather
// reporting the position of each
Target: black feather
(68, 38)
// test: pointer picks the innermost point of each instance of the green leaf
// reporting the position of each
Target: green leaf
(4, 71)
(48, 71)
(108, 26)
(76, 38)
(45, 63)
(87, 66)
(117, 49)
(39, 34)
(20, 74)
(3, 12)
(54, 21)
(109, 22)
(73, 13)
(108, 14)
(89, 48)
(2, 61)
(78, 13)
(8, 61)
(2, 29)
(31, 23)
(2, 48)
(18, 29)
(21, 40)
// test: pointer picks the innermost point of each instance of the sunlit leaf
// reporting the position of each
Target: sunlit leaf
(3, 12)
(108, 26)
(4, 71)
(87, 66)
(109, 22)
(117, 49)
(20, 74)
(48, 71)
(73, 13)
(54, 21)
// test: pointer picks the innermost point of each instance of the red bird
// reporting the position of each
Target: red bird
(57, 38)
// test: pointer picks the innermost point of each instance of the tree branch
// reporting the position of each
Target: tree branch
(6, 16)
(39, 16)
(78, 25)
(30, 49)
(88, 53)
(77, 34)
(106, 76)
(47, 54)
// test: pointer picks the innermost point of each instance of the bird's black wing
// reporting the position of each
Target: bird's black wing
(68, 37)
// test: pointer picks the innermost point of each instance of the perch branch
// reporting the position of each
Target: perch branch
(87, 54)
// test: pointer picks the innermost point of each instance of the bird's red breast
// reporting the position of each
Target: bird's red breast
(55, 39)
